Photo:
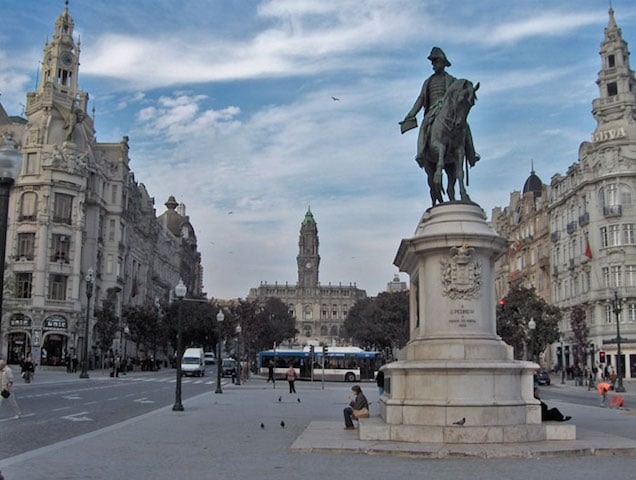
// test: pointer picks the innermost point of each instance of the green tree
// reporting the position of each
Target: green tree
(379, 322)
(106, 324)
(264, 323)
(519, 306)
(581, 332)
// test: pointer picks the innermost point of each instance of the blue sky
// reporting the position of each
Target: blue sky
(228, 106)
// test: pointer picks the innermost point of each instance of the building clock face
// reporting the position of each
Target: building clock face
(308, 265)
(66, 58)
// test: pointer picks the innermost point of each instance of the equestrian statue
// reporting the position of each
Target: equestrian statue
(445, 142)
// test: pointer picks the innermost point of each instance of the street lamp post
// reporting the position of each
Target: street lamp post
(238, 354)
(126, 332)
(219, 360)
(562, 363)
(180, 292)
(89, 293)
(10, 165)
(617, 307)
(531, 326)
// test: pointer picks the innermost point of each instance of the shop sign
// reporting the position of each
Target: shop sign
(55, 322)
(19, 320)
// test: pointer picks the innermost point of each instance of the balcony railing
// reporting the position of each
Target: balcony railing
(584, 219)
(571, 228)
(554, 236)
(613, 211)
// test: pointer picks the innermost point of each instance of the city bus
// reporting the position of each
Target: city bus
(348, 364)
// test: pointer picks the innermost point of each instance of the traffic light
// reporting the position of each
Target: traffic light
(311, 350)
(325, 350)
(601, 357)
(502, 304)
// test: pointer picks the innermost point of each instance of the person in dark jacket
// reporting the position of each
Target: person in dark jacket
(550, 414)
(357, 402)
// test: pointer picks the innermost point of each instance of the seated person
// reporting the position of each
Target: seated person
(357, 402)
(548, 414)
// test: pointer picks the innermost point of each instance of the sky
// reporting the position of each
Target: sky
(252, 111)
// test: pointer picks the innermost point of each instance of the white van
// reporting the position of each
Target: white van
(193, 362)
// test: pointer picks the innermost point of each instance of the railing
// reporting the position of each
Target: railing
(554, 236)
(613, 211)
(584, 219)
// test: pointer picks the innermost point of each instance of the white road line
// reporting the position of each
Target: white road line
(60, 409)
(89, 403)
(77, 418)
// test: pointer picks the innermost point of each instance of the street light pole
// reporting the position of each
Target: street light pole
(10, 165)
(126, 332)
(616, 306)
(180, 292)
(89, 294)
(219, 360)
(531, 326)
(238, 354)
(562, 363)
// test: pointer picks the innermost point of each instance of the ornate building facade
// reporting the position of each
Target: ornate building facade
(319, 310)
(76, 206)
(575, 241)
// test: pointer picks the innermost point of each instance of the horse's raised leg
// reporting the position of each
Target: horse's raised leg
(436, 195)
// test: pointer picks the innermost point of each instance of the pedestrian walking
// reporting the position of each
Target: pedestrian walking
(291, 378)
(6, 388)
(270, 372)
(28, 369)
(117, 365)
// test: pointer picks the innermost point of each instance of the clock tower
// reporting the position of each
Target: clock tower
(308, 258)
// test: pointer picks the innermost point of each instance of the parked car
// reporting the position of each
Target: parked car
(542, 378)
(228, 367)
(210, 358)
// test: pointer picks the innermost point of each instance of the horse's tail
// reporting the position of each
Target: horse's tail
(467, 169)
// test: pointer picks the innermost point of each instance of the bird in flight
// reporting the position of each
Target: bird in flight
(335, 99)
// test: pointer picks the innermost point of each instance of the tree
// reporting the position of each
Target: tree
(513, 315)
(143, 323)
(380, 322)
(581, 331)
(106, 324)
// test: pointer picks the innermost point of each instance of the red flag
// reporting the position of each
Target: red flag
(588, 251)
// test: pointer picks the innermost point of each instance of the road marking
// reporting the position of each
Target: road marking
(60, 409)
(76, 417)
(72, 397)
(112, 398)
(143, 400)
(90, 403)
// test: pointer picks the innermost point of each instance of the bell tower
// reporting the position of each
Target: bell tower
(614, 109)
(308, 259)
(57, 105)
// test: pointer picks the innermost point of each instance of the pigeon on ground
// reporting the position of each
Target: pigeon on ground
(460, 422)
(262, 425)
(282, 424)
(298, 399)
(280, 399)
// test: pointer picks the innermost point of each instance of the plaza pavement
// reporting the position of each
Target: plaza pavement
(238, 435)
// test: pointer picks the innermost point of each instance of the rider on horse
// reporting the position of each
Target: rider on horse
(431, 99)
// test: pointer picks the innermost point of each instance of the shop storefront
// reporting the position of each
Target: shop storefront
(54, 341)
(18, 338)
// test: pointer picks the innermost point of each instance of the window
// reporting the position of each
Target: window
(608, 314)
(616, 276)
(631, 312)
(611, 61)
(31, 166)
(112, 229)
(614, 235)
(26, 245)
(628, 234)
(606, 277)
(23, 285)
(612, 89)
(62, 208)
(29, 206)
(57, 287)
(630, 275)
(60, 248)
(323, 330)
(109, 263)
(113, 198)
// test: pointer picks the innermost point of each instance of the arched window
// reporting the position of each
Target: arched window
(324, 330)
(307, 312)
(334, 331)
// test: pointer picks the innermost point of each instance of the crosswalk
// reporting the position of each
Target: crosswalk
(169, 380)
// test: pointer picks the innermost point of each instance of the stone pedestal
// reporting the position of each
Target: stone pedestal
(455, 368)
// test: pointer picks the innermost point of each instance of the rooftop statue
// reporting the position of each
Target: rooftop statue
(444, 140)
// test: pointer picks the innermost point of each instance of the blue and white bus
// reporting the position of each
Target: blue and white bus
(348, 364)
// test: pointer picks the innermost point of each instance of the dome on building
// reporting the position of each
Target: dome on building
(533, 184)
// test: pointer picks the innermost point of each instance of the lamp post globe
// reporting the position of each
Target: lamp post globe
(10, 166)
(180, 291)
(219, 358)
(238, 331)
(532, 325)
(90, 278)
(125, 362)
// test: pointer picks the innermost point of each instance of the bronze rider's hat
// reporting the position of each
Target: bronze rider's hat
(437, 52)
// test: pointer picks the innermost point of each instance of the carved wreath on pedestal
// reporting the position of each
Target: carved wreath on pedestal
(461, 273)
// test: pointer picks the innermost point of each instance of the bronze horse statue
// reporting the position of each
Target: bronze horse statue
(446, 142)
